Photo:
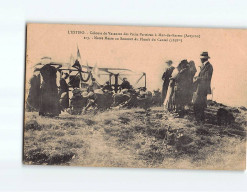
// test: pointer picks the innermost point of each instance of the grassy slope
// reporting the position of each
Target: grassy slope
(129, 138)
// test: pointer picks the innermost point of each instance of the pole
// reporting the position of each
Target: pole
(110, 78)
(116, 83)
(145, 80)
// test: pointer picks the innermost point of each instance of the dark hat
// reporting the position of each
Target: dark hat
(205, 55)
(184, 61)
(169, 62)
(182, 64)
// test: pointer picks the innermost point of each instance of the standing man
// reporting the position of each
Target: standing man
(203, 87)
(166, 78)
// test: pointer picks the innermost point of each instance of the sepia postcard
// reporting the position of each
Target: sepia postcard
(135, 96)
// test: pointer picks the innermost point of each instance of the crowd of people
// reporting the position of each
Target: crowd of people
(181, 88)
(50, 99)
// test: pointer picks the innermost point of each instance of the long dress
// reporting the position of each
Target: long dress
(169, 103)
(34, 94)
(166, 78)
(182, 89)
(49, 99)
(191, 88)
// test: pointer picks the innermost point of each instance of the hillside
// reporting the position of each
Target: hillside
(133, 138)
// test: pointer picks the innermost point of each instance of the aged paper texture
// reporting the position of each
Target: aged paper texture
(134, 96)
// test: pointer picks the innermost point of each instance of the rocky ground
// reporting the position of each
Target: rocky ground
(134, 138)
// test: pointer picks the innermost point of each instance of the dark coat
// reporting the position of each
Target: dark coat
(49, 98)
(167, 75)
(125, 85)
(182, 85)
(107, 87)
(63, 86)
(203, 84)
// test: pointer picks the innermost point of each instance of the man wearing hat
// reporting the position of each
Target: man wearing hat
(125, 84)
(203, 87)
(166, 78)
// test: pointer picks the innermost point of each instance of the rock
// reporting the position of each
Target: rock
(243, 108)
(235, 110)
(32, 125)
(224, 117)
